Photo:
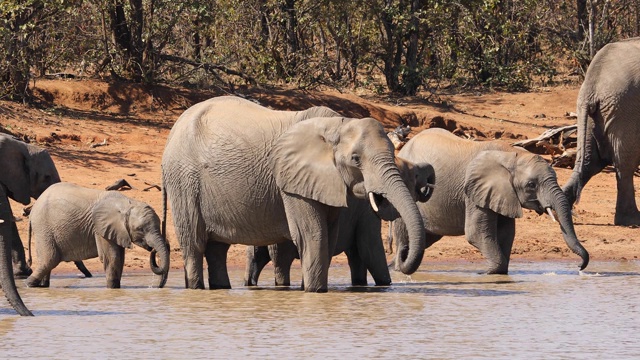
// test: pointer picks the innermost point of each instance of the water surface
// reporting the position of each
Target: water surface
(444, 311)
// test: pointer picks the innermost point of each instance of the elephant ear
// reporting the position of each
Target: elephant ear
(303, 161)
(488, 183)
(16, 169)
(111, 218)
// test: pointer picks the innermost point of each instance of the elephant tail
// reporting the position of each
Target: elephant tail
(29, 260)
(163, 225)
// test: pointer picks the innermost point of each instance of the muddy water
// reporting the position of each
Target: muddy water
(443, 311)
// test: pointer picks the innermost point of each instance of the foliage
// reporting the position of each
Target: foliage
(401, 46)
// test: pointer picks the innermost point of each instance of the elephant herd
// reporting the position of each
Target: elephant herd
(312, 184)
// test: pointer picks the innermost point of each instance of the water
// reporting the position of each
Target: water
(541, 310)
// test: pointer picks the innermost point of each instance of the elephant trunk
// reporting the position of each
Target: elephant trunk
(560, 204)
(6, 279)
(409, 254)
(161, 248)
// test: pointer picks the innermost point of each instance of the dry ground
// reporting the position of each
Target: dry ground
(134, 122)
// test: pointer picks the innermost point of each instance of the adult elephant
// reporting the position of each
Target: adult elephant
(482, 188)
(238, 173)
(359, 235)
(609, 125)
(27, 171)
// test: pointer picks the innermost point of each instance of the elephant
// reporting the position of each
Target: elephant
(27, 171)
(7, 236)
(359, 236)
(236, 172)
(482, 188)
(609, 125)
(73, 223)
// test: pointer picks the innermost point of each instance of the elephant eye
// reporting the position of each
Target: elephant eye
(531, 185)
(356, 159)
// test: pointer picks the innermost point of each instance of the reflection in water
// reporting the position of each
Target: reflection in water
(442, 311)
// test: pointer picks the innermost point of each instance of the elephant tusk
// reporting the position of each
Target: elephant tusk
(372, 201)
(550, 212)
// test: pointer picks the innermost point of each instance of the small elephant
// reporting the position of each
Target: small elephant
(27, 171)
(239, 173)
(482, 188)
(359, 236)
(609, 125)
(73, 223)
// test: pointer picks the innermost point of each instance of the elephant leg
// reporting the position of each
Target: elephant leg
(20, 267)
(368, 247)
(113, 260)
(83, 269)
(309, 223)
(626, 207)
(283, 255)
(357, 267)
(257, 258)
(42, 273)
(481, 230)
(216, 254)
(46, 262)
(193, 241)
(506, 235)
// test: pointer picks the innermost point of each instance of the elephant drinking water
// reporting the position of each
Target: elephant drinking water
(73, 223)
(238, 173)
(482, 188)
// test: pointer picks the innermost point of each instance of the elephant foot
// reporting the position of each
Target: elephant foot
(632, 219)
(496, 272)
(35, 283)
(22, 273)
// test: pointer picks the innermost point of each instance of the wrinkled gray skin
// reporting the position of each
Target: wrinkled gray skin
(7, 235)
(609, 125)
(73, 223)
(239, 173)
(27, 171)
(359, 236)
(481, 189)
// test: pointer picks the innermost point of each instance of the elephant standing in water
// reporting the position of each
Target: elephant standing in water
(238, 173)
(482, 188)
(72, 223)
(609, 125)
(359, 236)
(27, 171)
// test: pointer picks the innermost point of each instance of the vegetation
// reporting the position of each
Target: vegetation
(400, 46)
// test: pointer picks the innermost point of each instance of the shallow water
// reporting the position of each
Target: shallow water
(545, 309)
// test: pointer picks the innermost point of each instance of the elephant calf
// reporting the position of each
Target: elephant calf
(482, 188)
(72, 223)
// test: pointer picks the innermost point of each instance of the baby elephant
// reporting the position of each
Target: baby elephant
(72, 223)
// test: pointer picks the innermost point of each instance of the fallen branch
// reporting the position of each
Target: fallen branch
(151, 186)
(119, 184)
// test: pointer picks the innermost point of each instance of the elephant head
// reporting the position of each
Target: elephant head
(126, 222)
(420, 179)
(507, 181)
(27, 170)
(327, 159)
